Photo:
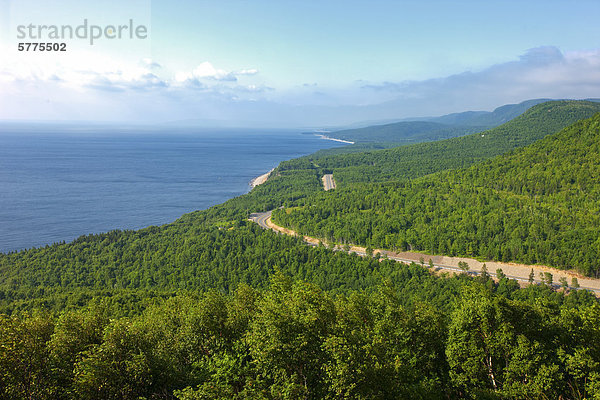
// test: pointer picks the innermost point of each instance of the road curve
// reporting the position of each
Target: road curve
(328, 182)
(261, 218)
(264, 221)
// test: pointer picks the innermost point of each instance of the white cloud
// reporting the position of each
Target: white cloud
(150, 63)
(85, 70)
(251, 71)
(92, 86)
(205, 73)
(543, 72)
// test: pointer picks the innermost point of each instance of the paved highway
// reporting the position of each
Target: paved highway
(262, 218)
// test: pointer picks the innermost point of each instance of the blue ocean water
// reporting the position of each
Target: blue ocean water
(56, 186)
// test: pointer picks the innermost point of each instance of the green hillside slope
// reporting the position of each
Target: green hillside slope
(425, 158)
(431, 129)
(497, 117)
(183, 255)
(539, 204)
(213, 307)
(406, 132)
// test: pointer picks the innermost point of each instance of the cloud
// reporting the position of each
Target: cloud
(251, 71)
(149, 63)
(118, 81)
(206, 72)
(89, 70)
(542, 56)
(254, 88)
(97, 87)
(207, 77)
(542, 72)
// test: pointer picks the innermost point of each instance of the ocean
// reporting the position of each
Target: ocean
(59, 184)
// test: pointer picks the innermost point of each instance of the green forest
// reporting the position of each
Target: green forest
(406, 162)
(296, 341)
(430, 129)
(537, 205)
(212, 306)
(406, 132)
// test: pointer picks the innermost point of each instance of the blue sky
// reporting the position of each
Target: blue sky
(298, 63)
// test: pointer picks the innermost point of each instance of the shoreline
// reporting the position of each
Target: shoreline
(334, 139)
(259, 180)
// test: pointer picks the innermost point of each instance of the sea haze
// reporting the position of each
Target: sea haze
(56, 186)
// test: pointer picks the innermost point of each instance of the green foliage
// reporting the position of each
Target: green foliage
(536, 205)
(406, 132)
(185, 310)
(430, 129)
(420, 159)
(501, 346)
(295, 341)
(25, 366)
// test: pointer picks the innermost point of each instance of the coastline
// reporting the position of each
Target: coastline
(136, 204)
(259, 180)
(334, 139)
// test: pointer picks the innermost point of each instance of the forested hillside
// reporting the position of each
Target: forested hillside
(296, 341)
(436, 128)
(494, 118)
(537, 205)
(212, 307)
(406, 132)
(425, 158)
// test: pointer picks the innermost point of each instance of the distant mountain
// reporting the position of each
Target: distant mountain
(424, 158)
(537, 204)
(405, 132)
(497, 117)
(416, 130)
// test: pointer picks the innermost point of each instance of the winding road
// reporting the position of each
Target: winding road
(440, 263)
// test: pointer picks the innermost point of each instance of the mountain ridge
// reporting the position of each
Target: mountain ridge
(536, 204)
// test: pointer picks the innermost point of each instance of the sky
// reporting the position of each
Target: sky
(285, 63)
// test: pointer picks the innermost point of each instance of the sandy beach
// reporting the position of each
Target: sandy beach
(334, 139)
(260, 179)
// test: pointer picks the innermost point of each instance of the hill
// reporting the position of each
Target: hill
(537, 205)
(497, 117)
(212, 306)
(183, 254)
(430, 129)
(425, 158)
(405, 132)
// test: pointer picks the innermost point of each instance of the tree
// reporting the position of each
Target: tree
(500, 274)
(76, 333)
(25, 367)
(495, 345)
(574, 282)
(119, 368)
(531, 277)
(463, 265)
(286, 338)
(484, 272)
(563, 283)
(548, 278)
(474, 344)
